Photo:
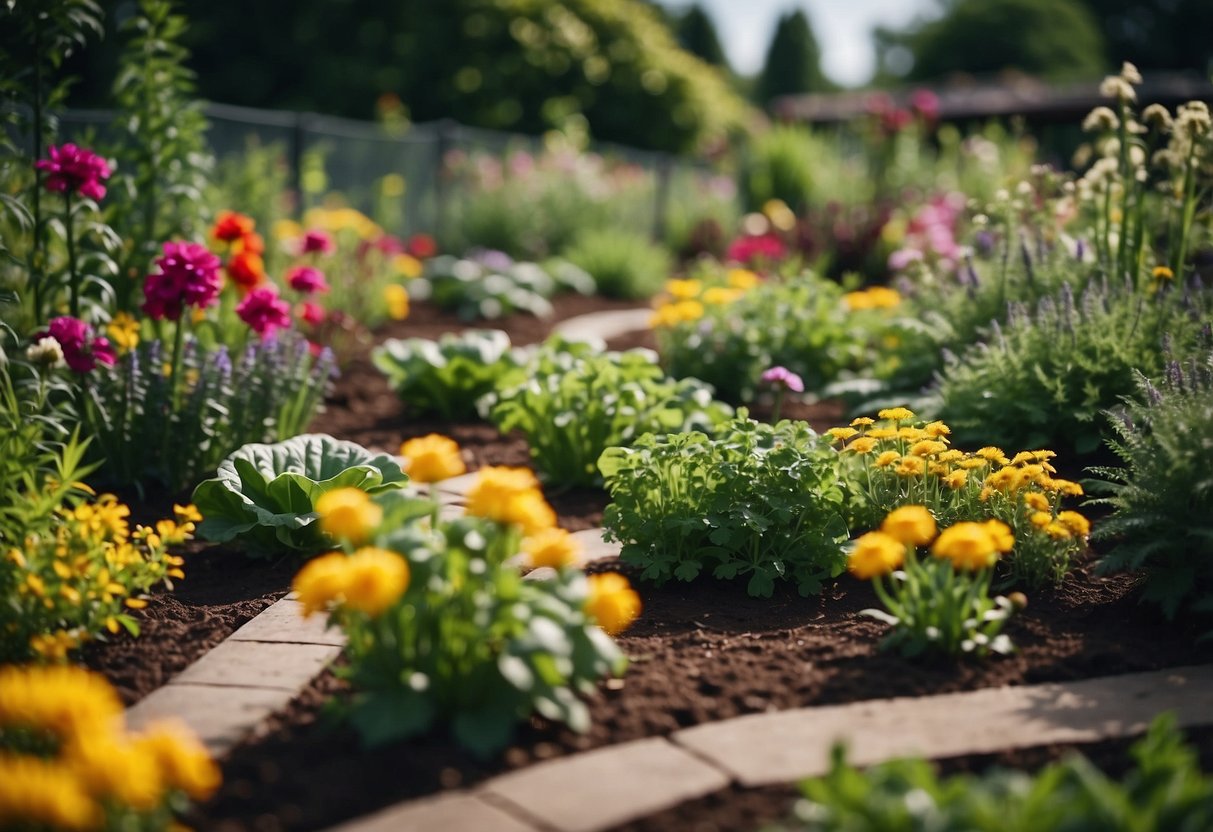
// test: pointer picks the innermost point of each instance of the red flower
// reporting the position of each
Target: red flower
(316, 241)
(264, 311)
(188, 276)
(748, 250)
(81, 350)
(251, 242)
(421, 246)
(246, 269)
(311, 313)
(307, 279)
(926, 104)
(75, 169)
(230, 226)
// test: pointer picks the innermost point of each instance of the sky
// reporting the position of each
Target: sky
(843, 29)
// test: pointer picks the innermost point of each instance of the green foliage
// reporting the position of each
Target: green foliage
(265, 495)
(1164, 789)
(573, 402)
(1162, 497)
(756, 501)
(449, 375)
(624, 264)
(793, 62)
(471, 645)
(144, 430)
(255, 181)
(162, 158)
(784, 163)
(492, 286)
(697, 34)
(1045, 377)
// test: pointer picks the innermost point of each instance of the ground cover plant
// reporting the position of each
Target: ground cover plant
(489, 284)
(448, 376)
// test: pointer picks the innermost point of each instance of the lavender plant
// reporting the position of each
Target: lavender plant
(268, 392)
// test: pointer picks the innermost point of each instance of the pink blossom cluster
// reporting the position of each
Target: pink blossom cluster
(264, 311)
(81, 350)
(931, 235)
(76, 170)
(188, 276)
(782, 377)
(307, 280)
(755, 250)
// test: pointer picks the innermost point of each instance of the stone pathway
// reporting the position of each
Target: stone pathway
(604, 325)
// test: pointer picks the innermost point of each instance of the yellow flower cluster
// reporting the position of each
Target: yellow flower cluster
(686, 300)
(432, 458)
(510, 496)
(123, 331)
(369, 581)
(81, 571)
(348, 514)
(874, 297)
(612, 603)
(96, 763)
(552, 547)
(343, 219)
(396, 298)
(969, 546)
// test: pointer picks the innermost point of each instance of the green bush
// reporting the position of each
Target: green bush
(625, 264)
(756, 501)
(783, 164)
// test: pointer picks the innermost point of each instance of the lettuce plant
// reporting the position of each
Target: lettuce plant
(446, 377)
(490, 284)
(756, 501)
(264, 496)
(573, 402)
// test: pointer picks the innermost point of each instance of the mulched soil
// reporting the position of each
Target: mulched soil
(701, 652)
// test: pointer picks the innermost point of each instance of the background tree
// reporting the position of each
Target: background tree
(697, 34)
(1157, 34)
(793, 62)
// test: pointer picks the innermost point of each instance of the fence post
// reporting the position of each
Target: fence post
(665, 170)
(448, 135)
(295, 148)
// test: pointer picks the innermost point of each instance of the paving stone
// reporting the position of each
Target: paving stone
(220, 716)
(254, 664)
(459, 812)
(457, 485)
(284, 622)
(593, 547)
(783, 746)
(604, 325)
(603, 788)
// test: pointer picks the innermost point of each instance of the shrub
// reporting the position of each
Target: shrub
(490, 285)
(443, 632)
(624, 264)
(781, 164)
(574, 402)
(1162, 496)
(447, 376)
(756, 501)
(1164, 789)
(265, 496)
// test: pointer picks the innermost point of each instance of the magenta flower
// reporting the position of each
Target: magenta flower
(307, 279)
(81, 350)
(264, 311)
(189, 276)
(783, 378)
(311, 313)
(761, 248)
(75, 169)
(316, 241)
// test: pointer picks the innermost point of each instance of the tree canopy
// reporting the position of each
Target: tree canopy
(793, 62)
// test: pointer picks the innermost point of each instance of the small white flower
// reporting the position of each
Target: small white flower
(46, 351)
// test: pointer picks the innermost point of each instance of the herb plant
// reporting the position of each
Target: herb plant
(573, 402)
(265, 495)
(446, 377)
(623, 264)
(753, 501)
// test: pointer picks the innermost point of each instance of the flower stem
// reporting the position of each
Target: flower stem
(70, 237)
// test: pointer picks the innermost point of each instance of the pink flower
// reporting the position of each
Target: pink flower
(264, 311)
(785, 378)
(747, 250)
(189, 276)
(307, 279)
(81, 350)
(75, 169)
(925, 103)
(903, 257)
(311, 313)
(316, 241)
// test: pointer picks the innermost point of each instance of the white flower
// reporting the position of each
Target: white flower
(1100, 119)
(47, 351)
(1116, 87)
(1130, 73)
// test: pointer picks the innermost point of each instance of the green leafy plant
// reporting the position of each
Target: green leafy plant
(754, 501)
(491, 285)
(447, 376)
(1164, 789)
(624, 264)
(573, 402)
(265, 496)
(1162, 497)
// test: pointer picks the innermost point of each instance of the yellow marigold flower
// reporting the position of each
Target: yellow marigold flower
(1037, 501)
(912, 525)
(1163, 273)
(927, 447)
(183, 761)
(375, 580)
(896, 414)
(286, 230)
(1075, 522)
(911, 434)
(855, 301)
(882, 297)
(951, 455)
(321, 582)
(36, 794)
(510, 495)
(552, 547)
(1022, 457)
(863, 422)
(862, 445)
(1058, 531)
(612, 603)
(721, 296)
(123, 331)
(956, 479)
(396, 298)
(684, 289)
(911, 466)
(406, 265)
(842, 434)
(881, 433)
(1000, 533)
(113, 767)
(432, 458)
(1003, 479)
(348, 514)
(742, 279)
(969, 546)
(1069, 489)
(886, 459)
(992, 454)
(875, 553)
(62, 700)
(972, 462)
(937, 429)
